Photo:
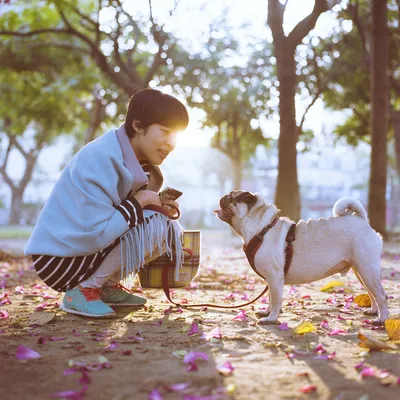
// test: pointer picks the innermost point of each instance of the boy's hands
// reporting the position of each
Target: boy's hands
(146, 197)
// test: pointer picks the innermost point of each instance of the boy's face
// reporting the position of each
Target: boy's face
(154, 143)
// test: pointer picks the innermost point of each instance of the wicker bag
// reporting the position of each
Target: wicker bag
(151, 275)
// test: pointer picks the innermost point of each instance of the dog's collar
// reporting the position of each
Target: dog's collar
(256, 241)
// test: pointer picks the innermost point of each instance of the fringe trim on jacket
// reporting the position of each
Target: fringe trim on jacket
(145, 238)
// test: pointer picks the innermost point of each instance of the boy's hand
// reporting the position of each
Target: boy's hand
(146, 197)
(166, 206)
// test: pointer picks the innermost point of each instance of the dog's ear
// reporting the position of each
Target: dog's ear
(246, 197)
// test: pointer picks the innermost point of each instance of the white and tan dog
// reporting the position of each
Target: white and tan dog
(322, 247)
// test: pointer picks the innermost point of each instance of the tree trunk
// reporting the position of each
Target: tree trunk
(237, 175)
(236, 155)
(16, 206)
(97, 116)
(379, 114)
(287, 197)
(396, 132)
(18, 188)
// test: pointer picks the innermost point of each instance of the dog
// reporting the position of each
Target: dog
(322, 247)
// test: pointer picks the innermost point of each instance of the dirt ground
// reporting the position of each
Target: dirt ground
(146, 354)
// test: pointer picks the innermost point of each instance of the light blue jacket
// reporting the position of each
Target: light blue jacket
(80, 216)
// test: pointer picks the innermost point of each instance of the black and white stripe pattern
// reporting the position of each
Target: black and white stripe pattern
(64, 273)
(131, 211)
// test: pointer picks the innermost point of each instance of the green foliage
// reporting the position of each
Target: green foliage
(347, 62)
(232, 96)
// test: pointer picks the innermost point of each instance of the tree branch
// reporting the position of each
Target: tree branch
(34, 33)
(3, 167)
(275, 20)
(15, 142)
(61, 45)
(352, 10)
(95, 24)
(308, 23)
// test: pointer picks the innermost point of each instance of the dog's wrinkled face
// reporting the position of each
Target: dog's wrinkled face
(235, 206)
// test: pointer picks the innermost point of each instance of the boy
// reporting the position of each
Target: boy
(93, 228)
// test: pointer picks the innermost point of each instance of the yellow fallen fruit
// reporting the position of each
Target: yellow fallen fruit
(392, 327)
(363, 300)
(369, 342)
(304, 327)
(331, 285)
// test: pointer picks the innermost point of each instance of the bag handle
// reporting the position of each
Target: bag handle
(168, 294)
(176, 215)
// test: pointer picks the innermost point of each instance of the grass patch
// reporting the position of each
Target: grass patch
(15, 232)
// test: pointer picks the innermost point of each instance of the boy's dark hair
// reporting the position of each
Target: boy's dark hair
(150, 106)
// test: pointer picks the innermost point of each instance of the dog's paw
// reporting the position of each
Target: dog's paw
(265, 313)
(370, 311)
(268, 321)
(261, 314)
(377, 322)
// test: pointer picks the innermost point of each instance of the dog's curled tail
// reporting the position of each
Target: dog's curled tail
(349, 206)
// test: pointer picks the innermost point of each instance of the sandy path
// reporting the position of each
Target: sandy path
(144, 352)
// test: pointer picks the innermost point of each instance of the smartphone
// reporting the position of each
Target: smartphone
(170, 193)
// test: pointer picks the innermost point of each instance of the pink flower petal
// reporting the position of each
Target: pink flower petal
(283, 326)
(135, 338)
(126, 352)
(193, 329)
(177, 387)
(85, 378)
(383, 374)
(215, 333)
(4, 314)
(71, 394)
(241, 316)
(292, 290)
(308, 388)
(193, 356)
(4, 299)
(19, 289)
(367, 371)
(359, 365)
(337, 331)
(324, 324)
(112, 346)
(25, 353)
(320, 349)
(226, 368)
(70, 371)
(192, 367)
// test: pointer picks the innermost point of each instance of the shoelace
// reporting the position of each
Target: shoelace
(91, 293)
(122, 287)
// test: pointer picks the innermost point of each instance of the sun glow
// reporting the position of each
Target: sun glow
(194, 135)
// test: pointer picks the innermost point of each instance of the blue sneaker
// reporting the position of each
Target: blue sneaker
(118, 295)
(86, 302)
